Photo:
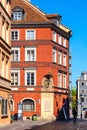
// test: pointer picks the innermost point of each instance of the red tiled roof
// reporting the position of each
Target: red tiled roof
(32, 13)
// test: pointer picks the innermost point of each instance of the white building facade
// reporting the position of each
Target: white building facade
(82, 95)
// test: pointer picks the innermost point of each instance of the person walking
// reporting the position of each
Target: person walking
(74, 112)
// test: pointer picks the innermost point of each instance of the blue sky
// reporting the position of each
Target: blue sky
(74, 17)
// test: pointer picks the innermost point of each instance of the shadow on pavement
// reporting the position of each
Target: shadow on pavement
(59, 125)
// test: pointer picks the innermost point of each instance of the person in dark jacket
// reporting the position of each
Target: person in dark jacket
(74, 112)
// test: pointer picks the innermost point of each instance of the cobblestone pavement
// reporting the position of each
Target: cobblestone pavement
(46, 125)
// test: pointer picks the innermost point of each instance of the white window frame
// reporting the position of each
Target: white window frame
(16, 49)
(34, 36)
(54, 36)
(64, 59)
(16, 15)
(64, 80)
(30, 49)
(15, 39)
(54, 56)
(59, 39)
(60, 80)
(30, 71)
(64, 42)
(16, 71)
(4, 107)
(60, 58)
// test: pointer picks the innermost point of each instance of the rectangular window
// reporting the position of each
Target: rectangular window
(64, 80)
(60, 39)
(54, 36)
(54, 56)
(30, 54)
(59, 58)
(15, 55)
(64, 42)
(11, 105)
(30, 77)
(4, 107)
(15, 77)
(17, 16)
(60, 80)
(82, 99)
(30, 34)
(14, 35)
(64, 59)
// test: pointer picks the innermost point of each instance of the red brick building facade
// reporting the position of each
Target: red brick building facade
(40, 61)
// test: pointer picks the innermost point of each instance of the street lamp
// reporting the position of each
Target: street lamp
(81, 104)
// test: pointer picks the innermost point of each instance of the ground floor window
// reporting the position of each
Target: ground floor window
(28, 105)
(4, 107)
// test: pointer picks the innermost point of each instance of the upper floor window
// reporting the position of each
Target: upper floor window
(59, 79)
(82, 83)
(82, 99)
(64, 59)
(30, 34)
(18, 13)
(14, 35)
(15, 56)
(59, 58)
(30, 77)
(64, 42)
(59, 39)
(54, 36)
(15, 77)
(30, 54)
(64, 80)
(54, 56)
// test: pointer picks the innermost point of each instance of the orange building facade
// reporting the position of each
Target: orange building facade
(5, 52)
(39, 61)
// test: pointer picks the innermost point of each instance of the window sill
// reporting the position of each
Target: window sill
(4, 116)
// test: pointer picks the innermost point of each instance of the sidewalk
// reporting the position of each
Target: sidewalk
(80, 124)
(23, 125)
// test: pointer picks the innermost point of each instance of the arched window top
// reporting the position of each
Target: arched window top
(28, 101)
(18, 13)
(28, 105)
(82, 83)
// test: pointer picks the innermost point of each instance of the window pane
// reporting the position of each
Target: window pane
(5, 106)
(30, 78)
(30, 34)
(14, 35)
(14, 78)
(28, 105)
(17, 15)
(30, 55)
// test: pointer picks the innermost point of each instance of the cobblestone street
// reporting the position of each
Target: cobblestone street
(46, 125)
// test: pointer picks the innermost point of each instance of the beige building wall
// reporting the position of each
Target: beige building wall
(5, 51)
(47, 105)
